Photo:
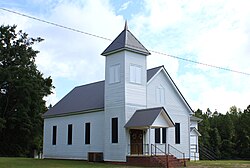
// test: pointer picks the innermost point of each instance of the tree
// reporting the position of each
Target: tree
(203, 128)
(215, 141)
(243, 134)
(23, 88)
(227, 135)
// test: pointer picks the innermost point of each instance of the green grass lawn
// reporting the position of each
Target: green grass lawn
(220, 164)
(9, 162)
(15, 162)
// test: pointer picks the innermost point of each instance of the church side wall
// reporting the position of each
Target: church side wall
(78, 149)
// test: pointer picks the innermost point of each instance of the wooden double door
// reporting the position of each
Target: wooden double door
(136, 142)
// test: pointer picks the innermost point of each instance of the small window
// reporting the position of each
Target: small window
(135, 74)
(160, 95)
(54, 132)
(164, 135)
(177, 133)
(87, 133)
(157, 135)
(70, 134)
(114, 74)
(114, 130)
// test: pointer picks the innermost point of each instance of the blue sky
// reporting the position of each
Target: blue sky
(212, 32)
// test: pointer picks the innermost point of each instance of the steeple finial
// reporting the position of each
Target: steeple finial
(126, 26)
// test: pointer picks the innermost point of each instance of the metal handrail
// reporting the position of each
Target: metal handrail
(152, 145)
(173, 148)
(165, 153)
(182, 153)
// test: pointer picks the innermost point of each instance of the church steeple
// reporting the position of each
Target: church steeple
(126, 26)
(125, 89)
(125, 41)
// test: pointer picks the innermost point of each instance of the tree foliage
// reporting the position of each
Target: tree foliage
(227, 135)
(23, 88)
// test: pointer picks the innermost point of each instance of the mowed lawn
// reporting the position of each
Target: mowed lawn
(40, 163)
(220, 164)
(13, 162)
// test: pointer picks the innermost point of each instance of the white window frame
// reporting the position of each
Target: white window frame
(114, 73)
(135, 74)
(161, 136)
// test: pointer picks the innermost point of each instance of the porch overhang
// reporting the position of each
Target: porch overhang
(150, 118)
(195, 131)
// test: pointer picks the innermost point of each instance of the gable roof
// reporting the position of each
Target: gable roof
(152, 72)
(193, 129)
(146, 117)
(125, 41)
(173, 83)
(85, 98)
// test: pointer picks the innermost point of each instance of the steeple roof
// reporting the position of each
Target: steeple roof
(125, 41)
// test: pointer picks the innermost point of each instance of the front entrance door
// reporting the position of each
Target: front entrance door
(136, 141)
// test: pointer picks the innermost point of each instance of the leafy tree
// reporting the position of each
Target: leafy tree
(23, 88)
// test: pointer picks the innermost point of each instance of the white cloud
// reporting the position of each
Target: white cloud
(125, 6)
(163, 14)
(213, 32)
(67, 55)
(225, 91)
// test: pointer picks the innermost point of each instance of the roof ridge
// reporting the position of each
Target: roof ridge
(129, 45)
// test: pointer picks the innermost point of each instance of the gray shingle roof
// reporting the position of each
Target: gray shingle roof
(152, 72)
(81, 98)
(85, 97)
(125, 41)
(145, 117)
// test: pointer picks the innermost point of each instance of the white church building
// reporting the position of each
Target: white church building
(136, 115)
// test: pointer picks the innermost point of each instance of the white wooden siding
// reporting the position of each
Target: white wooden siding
(122, 99)
(194, 147)
(135, 94)
(115, 107)
(175, 107)
(78, 149)
(114, 92)
(160, 121)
